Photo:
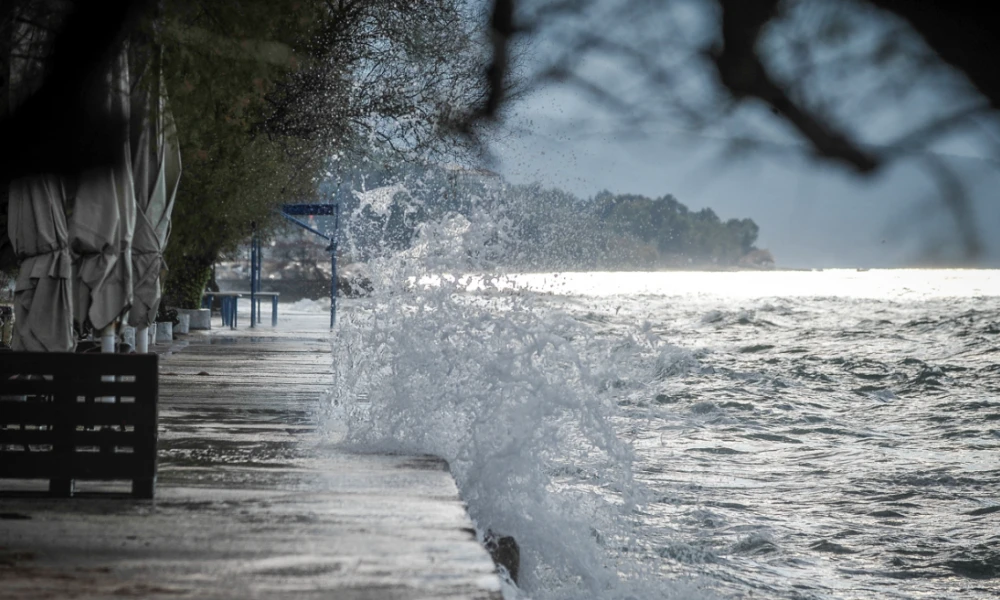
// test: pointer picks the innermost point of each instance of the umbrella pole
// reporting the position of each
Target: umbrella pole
(108, 347)
(142, 340)
(108, 339)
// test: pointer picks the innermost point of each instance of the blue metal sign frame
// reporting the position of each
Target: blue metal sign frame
(290, 211)
(256, 256)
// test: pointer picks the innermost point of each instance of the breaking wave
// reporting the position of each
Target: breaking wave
(687, 434)
(512, 393)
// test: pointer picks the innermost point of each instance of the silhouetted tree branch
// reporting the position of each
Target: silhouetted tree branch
(742, 73)
(55, 130)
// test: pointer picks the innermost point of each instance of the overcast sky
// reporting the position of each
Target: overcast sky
(810, 214)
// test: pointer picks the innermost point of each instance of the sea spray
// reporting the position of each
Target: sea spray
(753, 423)
(495, 384)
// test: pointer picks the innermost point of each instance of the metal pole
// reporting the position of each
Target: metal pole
(333, 263)
(333, 285)
(142, 340)
(260, 271)
(253, 277)
(108, 341)
(321, 209)
(108, 347)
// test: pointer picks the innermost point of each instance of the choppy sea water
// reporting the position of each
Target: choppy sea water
(776, 434)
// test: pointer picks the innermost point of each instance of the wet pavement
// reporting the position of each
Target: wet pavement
(254, 499)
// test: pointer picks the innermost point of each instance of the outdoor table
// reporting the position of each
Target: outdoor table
(274, 306)
(230, 303)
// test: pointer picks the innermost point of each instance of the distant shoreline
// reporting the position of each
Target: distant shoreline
(737, 269)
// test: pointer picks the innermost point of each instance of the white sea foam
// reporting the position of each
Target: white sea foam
(747, 402)
(513, 395)
(552, 396)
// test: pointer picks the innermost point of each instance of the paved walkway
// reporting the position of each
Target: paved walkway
(253, 501)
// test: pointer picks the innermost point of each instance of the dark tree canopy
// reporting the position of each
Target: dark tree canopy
(263, 93)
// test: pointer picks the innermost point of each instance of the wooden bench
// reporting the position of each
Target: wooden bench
(61, 421)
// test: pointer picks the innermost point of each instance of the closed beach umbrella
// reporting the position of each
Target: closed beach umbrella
(43, 308)
(102, 224)
(156, 169)
(36, 222)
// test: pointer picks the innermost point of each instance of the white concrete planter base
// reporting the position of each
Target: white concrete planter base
(198, 318)
(184, 322)
(164, 332)
(128, 335)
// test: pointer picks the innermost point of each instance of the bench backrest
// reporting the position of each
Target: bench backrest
(60, 421)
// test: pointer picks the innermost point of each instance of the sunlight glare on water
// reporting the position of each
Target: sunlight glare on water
(885, 284)
(734, 434)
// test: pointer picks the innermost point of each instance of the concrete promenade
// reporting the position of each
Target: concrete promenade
(253, 500)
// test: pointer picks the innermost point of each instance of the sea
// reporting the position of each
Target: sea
(827, 434)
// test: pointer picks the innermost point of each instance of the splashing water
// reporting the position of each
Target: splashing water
(801, 435)
(476, 370)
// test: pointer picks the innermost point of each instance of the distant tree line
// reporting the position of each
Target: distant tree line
(553, 229)
(533, 227)
(674, 230)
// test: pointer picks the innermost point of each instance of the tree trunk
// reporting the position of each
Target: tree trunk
(186, 281)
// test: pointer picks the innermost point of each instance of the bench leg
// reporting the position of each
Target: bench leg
(274, 311)
(144, 488)
(229, 306)
(62, 488)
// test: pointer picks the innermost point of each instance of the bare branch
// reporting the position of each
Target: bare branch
(742, 73)
(54, 130)
(920, 137)
(501, 32)
(963, 34)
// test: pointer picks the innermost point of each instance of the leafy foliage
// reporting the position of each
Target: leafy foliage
(676, 231)
(263, 92)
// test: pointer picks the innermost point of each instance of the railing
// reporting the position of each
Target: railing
(59, 421)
